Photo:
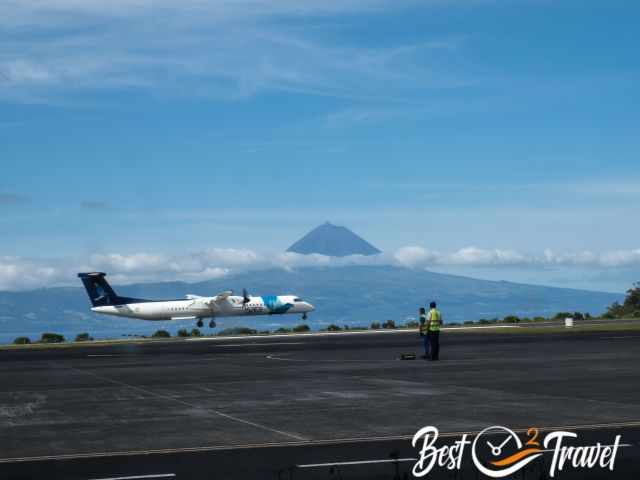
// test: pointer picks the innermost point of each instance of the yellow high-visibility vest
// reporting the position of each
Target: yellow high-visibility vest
(436, 320)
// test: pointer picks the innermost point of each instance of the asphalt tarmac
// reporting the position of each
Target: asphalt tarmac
(332, 406)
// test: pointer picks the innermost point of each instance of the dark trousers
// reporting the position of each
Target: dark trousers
(434, 344)
(425, 339)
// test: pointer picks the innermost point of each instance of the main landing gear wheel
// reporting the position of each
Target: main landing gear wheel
(212, 324)
(199, 323)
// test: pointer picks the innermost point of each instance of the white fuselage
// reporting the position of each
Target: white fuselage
(204, 307)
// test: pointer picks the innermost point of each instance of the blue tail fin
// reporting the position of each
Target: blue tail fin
(100, 292)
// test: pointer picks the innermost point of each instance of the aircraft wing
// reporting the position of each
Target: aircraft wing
(221, 297)
(190, 296)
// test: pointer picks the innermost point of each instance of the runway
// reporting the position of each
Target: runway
(304, 406)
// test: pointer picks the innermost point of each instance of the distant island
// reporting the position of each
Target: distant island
(353, 295)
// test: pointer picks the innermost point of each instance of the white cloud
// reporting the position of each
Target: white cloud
(609, 259)
(217, 49)
(419, 257)
(412, 256)
(137, 267)
(416, 256)
(17, 273)
(478, 256)
(291, 260)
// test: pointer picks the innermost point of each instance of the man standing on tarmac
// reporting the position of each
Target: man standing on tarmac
(434, 321)
(424, 333)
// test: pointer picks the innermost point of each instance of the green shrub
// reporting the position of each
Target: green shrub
(22, 341)
(265, 332)
(389, 324)
(83, 337)
(196, 332)
(375, 325)
(412, 324)
(484, 321)
(52, 338)
(301, 328)
(539, 319)
(183, 332)
(283, 330)
(161, 334)
(511, 319)
(333, 328)
(238, 331)
(469, 322)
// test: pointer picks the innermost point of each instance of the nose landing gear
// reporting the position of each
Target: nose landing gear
(304, 316)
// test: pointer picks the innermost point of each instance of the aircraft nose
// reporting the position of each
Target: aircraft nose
(310, 307)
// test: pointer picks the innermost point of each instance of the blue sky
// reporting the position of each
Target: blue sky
(496, 138)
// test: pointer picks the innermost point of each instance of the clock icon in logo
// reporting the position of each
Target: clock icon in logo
(498, 451)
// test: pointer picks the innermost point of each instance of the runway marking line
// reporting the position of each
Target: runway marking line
(307, 443)
(357, 462)
(138, 477)
(191, 405)
(398, 460)
(336, 334)
(259, 344)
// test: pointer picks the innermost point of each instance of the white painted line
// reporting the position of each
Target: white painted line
(259, 344)
(398, 460)
(101, 355)
(356, 462)
(454, 329)
(331, 334)
(136, 477)
(304, 443)
(294, 335)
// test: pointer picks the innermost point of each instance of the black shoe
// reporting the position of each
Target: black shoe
(424, 356)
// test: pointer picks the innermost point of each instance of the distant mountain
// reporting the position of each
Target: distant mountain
(333, 241)
(353, 295)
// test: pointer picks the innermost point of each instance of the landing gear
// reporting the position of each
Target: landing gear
(199, 323)
(212, 324)
(304, 316)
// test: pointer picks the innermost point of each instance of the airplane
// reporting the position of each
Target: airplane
(193, 307)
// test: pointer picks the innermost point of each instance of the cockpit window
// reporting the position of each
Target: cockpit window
(298, 300)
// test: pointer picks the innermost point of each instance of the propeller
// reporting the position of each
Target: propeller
(245, 296)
